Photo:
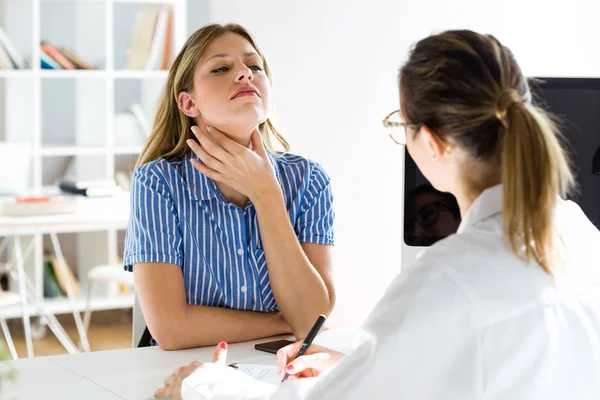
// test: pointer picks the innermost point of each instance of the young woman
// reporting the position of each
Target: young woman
(228, 238)
(509, 307)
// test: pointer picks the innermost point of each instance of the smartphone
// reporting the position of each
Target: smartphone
(272, 347)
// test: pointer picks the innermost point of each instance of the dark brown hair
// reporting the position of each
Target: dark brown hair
(468, 88)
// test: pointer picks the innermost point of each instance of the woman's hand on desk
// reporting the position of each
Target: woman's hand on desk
(172, 384)
(316, 360)
(247, 171)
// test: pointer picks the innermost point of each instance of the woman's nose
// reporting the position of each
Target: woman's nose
(243, 74)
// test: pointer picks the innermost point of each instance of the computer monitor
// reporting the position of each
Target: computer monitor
(430, 215)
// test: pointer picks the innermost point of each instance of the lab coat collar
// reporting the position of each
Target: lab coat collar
(489, 203)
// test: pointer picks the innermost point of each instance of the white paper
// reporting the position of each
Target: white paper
(263, 373)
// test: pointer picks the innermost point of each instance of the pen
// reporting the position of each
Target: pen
(308, 340)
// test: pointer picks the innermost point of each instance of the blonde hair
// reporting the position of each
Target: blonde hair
(171, 126)
(469, 88)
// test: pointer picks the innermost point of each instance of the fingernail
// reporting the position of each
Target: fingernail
(189, 142)
(289, 369)
(223, 345)
(208, 128)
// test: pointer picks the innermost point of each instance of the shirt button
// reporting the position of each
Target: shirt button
(244, 289)
(241, 252)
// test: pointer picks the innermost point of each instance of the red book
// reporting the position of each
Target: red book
(56, 55)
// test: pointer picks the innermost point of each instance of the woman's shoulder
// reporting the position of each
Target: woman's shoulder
(294, 164)
(158, 168)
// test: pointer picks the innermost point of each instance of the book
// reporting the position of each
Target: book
(101, 190)
(167, 56)
(12, 53)
(42, 205)
(5, 61)
(154, 60)
(46, 62)
(141, 118)
(64, 276)
(51, 286)
(140, 41)
(56, 55)
(73, 58)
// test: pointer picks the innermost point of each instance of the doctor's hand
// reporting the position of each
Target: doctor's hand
(316, 360)
(172, 384)
(247, 171)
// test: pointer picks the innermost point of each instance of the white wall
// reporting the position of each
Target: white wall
(335, 64)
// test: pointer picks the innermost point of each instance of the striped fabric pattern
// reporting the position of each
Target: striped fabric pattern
(178, 216)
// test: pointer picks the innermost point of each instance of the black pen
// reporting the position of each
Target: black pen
(308, 340)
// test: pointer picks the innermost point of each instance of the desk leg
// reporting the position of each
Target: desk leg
(61, 261)
(23, 293)
(53, 323)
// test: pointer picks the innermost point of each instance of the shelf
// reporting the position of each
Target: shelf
(92, 73)
(70, 151)
(148, 1)
(73, 73)
(16, 73)
(140, 74)
(124, 150)
(61, 305)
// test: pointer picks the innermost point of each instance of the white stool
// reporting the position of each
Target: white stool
(8, 299)
(112, 273)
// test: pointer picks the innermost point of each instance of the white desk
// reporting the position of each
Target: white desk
(91, 215)
(135, 374)
(42, 378)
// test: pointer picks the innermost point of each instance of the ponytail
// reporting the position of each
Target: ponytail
(535, 171)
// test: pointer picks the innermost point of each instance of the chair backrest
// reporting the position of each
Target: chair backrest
(139, 322)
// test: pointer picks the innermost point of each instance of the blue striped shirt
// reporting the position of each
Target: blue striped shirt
(178, 216)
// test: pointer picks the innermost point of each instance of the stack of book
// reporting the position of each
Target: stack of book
(9, 58)
(90, 188)
(56, 278)
(60, 57)
(37, 205)
(150, 45)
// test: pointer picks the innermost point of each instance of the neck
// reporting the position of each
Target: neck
(240, 135)
(465, 199)
(237, 133)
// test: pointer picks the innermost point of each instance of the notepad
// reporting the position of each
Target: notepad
(263, 373)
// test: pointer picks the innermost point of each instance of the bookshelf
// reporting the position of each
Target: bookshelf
(69, 116)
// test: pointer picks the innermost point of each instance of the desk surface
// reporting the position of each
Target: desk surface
(42, 378)
(136, 373)
(132, 374)
(92, 214)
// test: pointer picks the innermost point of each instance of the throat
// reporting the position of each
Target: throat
(232, 196)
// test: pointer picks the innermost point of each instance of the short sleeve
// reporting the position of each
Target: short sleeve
(315, 223)
(152, 234)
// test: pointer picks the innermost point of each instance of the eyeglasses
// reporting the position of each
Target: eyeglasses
(396, 128)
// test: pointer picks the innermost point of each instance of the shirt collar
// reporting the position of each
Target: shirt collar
(488, 203)
(202, 188)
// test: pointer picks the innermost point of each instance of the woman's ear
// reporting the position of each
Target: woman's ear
(187, 105)
(434, 147)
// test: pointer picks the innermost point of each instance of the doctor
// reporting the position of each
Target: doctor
(509, 307)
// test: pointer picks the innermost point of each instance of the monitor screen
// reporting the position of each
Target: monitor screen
(430, 215)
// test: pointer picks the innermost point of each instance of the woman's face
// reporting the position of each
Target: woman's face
(231, 90)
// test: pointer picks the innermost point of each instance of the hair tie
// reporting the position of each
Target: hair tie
(507, 99)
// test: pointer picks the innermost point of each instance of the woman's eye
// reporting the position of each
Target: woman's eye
(220, 70)
(256, 68)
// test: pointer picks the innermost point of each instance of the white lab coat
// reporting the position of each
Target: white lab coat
(468, 320)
